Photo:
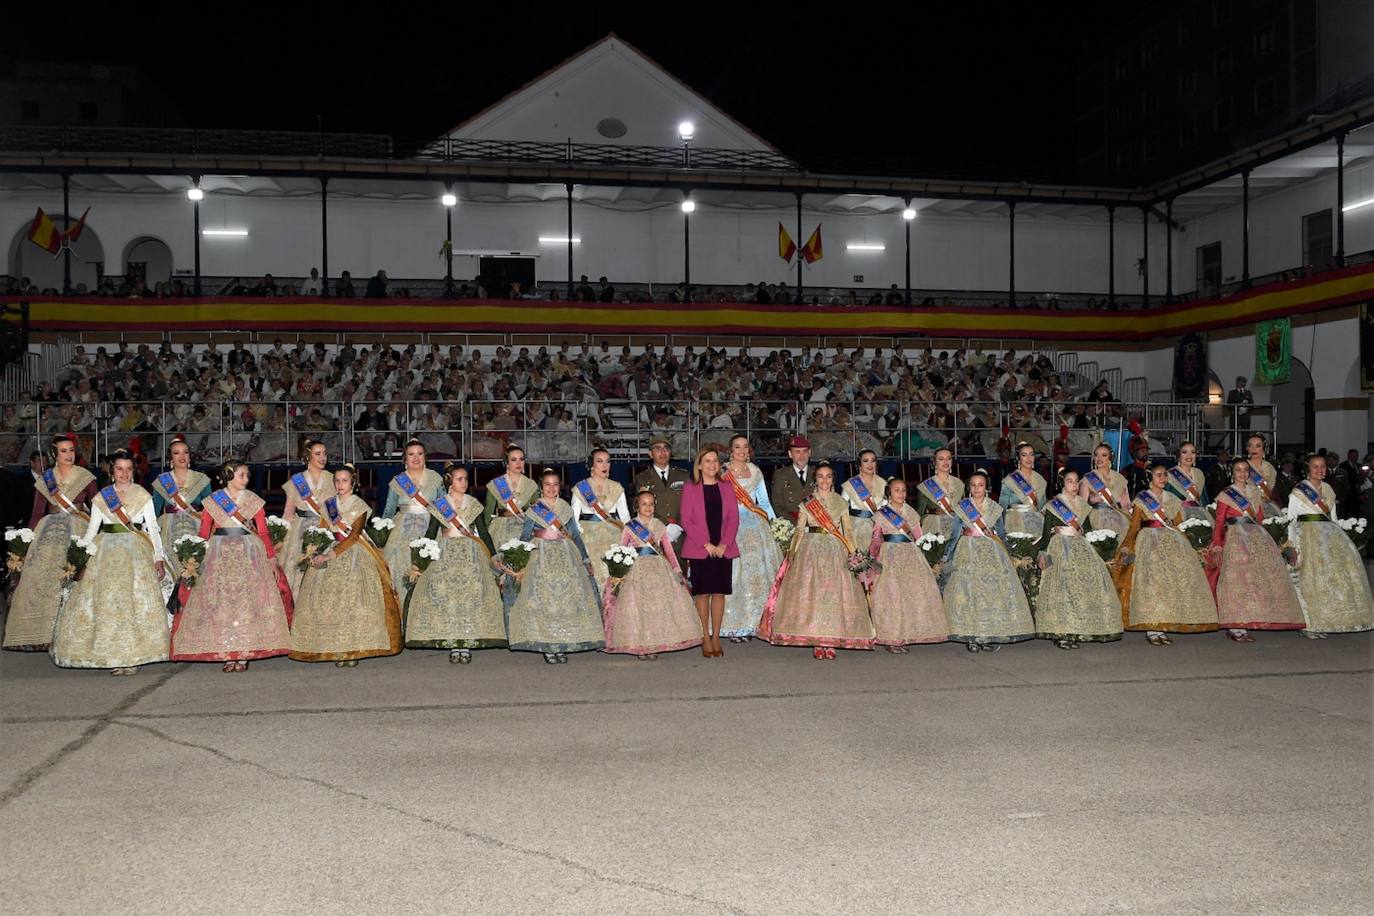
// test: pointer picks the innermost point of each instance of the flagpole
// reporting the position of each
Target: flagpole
(66, 246)
(798, 298)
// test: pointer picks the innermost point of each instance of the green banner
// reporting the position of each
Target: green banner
(1273, 351)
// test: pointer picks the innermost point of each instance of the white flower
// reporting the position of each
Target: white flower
(427, 548)
(188, 539)
(88, 546)
(276, 521)
(930, 539)
(1280, 519)
(1194, 523)
(21, 534)
(1212, 506)
(1022, 535)
(382, 523)
(1100, 534)
(516, 544)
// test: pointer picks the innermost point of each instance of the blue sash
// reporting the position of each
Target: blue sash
(933, 489)
(169, 483)
(405, 483)
(302, 486)
(503, 492)
(588, 494)
(545, 514)
(226, 504)
(111, 499)
(331, 506)
(1238, 498)
(1311, 495)
(1024, 486)
(970, 512)
(641, 531)
(1065, 513)
(1182, 482)
(893, 517)
(1152, 506)
(860, 490)
(1095, 481)
(445, 509)
(50, 481)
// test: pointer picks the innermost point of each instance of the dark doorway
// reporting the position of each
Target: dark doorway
(1209, 269)
(499, 273)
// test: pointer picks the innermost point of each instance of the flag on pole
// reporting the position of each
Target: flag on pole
(44, 234)
(786, 247)
(74, 232)
(811, 252)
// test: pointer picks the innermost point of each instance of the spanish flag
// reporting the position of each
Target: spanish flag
(44, 234)
(74, 233)
(811, 251)
(786, 247)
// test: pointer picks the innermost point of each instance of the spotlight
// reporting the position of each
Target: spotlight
(195, 194)
(686, 131)
(449, 199)
(908, 214)
(689, 206)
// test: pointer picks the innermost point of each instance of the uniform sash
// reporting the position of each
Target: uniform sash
(823, 519)
(1064, 512)
(1184, 483)
(862, 492)
(744, 498)
(169, 486)
(547, 516)
(584, 487)
(1100, 486)
(1239, 501)
(1153, 506)
(971, 512)
(1313, 496)
(53, 491)
(894, 518)
(1025, 487)
(1257, 479)
(407, 487)
(937, 494)
(335, 518)
(228, 506)
(448, 516)
(116, 505)
(641, 531)
(505, 495)
(306, 494)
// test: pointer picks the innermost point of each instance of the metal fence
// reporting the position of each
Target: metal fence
(268, 432)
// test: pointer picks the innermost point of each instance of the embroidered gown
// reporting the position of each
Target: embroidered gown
(752, 574)
(503, 526)
(456, 603)
(653, 611)
(175, 522)
(934, 519)
(983, 595)
(240, 608)
(1332, 584)
(115, 616)
(1164, 588)
(905, 601)
(33, 606)
(412, 521)
(1109, 514)
(1077, 598)
(1251, 583)
(558, 608)
(1021, 512)
(301, 516)
(598, 535)
(346, 609)
(1194, 502)
(816, 601)
(861, 511)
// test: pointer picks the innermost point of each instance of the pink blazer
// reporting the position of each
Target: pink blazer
(695, 534)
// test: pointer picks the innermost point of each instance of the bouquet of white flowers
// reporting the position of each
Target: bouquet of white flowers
(618, 561)
(515, 554)
(79, 553)
(782, 530)
(423, 551)
(277, 529)
(932, 546)
(1023, 546)
(1277, 526)
(18, 541)
(1198, 531)
(380, 530)
(1104, 541)
(190, 553)
(314, 541)
(1355, 528)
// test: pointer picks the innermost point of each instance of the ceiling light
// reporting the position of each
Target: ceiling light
(558, 240)
(195, 194)
(689, 206)
(908, 214)
(865, 246)
(1357, 205)
(225, 233)
(686, 130)
(449, 199)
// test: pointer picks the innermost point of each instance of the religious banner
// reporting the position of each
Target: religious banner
(1273, 351)
(1190, 367)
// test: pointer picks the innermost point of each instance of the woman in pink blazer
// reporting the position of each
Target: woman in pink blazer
(708, 543)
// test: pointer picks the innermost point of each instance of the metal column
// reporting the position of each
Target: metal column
(1340, 200)
(1111, 256)
(1245, 228)
(798, 298)
(66, 226)
(686, 252)
(195, 240)
(907, 223)
(1169, 250)
(569, 188)
(448, 246)
(1145, 257)
(1011, 256)
(324, 237)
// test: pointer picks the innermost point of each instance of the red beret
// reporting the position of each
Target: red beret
(799, 442)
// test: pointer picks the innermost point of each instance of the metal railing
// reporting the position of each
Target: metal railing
(266, 432)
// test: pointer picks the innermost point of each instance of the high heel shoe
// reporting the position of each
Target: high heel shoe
(818, 653)
(706, 650)
(830, 654)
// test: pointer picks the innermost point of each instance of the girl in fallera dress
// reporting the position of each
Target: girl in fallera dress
(905, 601)
(601, 511)
(1077, 601)
(558, 609)
(306, 490)
(1247, 572)
(650, 610)
(345, 607)
(1189, 484)
(864, 493)
(817, 601)
(178, 493)
(1105, 490)
(1022, 497)
(1332, 584)
(508, 496)
(408, 497)
(456, 603)
(983, 596)
(751, 576)
(1158, 575)
(115, 616)
(938, 495)
(240, 607)
(61, 496)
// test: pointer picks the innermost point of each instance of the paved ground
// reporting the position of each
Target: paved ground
(1204, 778)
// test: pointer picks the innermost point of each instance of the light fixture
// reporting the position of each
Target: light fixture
(1357, 205)
(225, 233)
(449, 199)
(908, 214)
(558, 240)
(686, 130)
(195, 194)
(689, 206)
(865, 246)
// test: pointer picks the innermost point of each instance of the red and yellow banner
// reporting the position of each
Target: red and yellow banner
(1337, 288)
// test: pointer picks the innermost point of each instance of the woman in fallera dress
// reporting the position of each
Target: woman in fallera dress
(650, 610)
(751, 576)
(1105, 490)
(983, 596)
(601, 511)
(508, 496)
(1332, 584)
(864, 493)
(938, 494)
(1022, 497)
(558, 609)
(178, 493)
(345, 607)
(115, 616)
(240, 607)
(306, 490)
(1077, 601)
(61, 495)
(456, 603)
(905, 601)
(408, 497)
(1158, 575)
(1245, 568)
(1189, 484)
(817, 601)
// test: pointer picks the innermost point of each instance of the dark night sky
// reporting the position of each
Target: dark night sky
(978, 89)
